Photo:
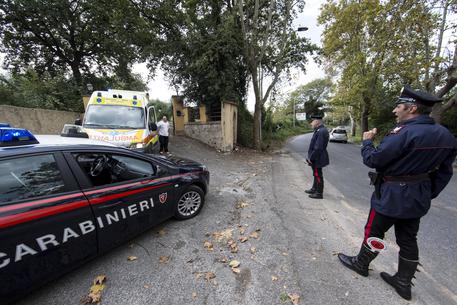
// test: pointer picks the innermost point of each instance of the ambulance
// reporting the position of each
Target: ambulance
(123, 118)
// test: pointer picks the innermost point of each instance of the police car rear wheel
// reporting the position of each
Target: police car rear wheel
(190, 203)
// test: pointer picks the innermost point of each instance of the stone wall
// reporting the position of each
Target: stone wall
(38, 121)
(209, 133)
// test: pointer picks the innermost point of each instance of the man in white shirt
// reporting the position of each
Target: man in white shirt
(163, 127)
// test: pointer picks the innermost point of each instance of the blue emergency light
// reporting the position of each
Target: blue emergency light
(16, 136)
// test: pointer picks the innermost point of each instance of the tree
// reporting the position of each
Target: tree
(386, 45)
(56, 35)
(270, 47)
(199, 49)
(312, 97)
(373, 46)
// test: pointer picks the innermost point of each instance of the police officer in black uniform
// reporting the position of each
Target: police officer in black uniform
(318, 156)
(413, 165)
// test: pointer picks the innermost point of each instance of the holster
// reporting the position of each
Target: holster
(376, 179)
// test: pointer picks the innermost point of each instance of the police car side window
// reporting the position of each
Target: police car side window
(29, 177)
(107, 168)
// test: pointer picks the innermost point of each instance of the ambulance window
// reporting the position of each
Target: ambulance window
(29, 177)
(106, 168)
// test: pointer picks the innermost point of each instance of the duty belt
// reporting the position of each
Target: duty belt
(409, 178)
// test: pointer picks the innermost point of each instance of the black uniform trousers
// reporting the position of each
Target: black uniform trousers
(163, 143)
(405, 232)
(318, 183)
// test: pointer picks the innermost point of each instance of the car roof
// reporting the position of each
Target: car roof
(55, 140)
(48, 143)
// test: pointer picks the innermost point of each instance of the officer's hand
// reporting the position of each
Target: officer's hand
(370, 134)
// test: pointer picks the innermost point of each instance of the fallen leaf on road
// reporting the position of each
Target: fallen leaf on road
(95, 293)
(132, 258)
(253, 249)
(223, 235)
(254, 234)
(294, 298)
(274, 278)
(242, 230)
(208, 245)
(146, 286)
(223, 259)
(162, 232)
(164, 259)
(285, 253)
(241, 205)
(209, 276)
(233, 247)
(236, 270)
(194, 295)
(234, 263)
(243, 239)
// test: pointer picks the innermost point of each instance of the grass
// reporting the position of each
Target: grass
(277, 139)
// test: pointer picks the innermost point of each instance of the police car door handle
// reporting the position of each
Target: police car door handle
(110, 205)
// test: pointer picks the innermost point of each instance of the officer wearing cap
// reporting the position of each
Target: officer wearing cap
(413, 165)
(317, 156)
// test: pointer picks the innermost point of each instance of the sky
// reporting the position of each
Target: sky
(160, 89)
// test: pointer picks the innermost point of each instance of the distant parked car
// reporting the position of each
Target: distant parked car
(338, 135)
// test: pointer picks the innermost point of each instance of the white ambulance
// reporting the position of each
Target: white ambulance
(123, 118)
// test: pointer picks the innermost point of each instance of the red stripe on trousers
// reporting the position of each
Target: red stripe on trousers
(369, 224)
(316, 174)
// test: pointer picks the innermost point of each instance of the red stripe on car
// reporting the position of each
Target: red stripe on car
(12, 220)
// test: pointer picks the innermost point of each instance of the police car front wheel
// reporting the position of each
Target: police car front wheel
(190, 203)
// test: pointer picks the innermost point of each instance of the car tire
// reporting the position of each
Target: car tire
(190, 203)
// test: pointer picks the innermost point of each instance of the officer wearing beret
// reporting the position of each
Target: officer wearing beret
(317, 156)
(413, 165)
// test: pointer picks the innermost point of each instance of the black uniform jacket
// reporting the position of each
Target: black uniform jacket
(317, 151)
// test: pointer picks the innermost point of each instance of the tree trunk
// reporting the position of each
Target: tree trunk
(364, 118)
(75, 68)
(258, 124)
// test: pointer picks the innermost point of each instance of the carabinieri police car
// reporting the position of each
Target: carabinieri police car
(65, 200)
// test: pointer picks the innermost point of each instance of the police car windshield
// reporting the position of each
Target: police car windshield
(114, 117)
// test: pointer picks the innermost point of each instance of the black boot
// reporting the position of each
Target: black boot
(316, 195)
(401, 281)
(310, 191)
(360, 262)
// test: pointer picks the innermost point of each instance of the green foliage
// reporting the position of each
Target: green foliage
(54, 36)
(162, 109)
(200, 48)
(376, 47)
(34, 90)
(245, 123)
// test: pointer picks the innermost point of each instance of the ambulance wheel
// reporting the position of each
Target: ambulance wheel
(190, 203)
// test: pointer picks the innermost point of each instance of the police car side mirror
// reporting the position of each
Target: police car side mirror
(78, 122)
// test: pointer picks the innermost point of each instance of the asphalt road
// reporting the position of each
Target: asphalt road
(436, 239)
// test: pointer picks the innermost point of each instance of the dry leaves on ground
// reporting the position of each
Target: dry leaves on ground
(294, 298)
(164, 259)
(208, 245)
(223, 236)
(194, 295)
(253, 250)
(233, 246)
(234, 263)
(274, 278)
(162, 232)
(243, 239)
(208, 276)
(132, 258)
(95, 293)
(254, 234)
(241, 205)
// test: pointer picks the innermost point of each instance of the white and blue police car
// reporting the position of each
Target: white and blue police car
(65, 200)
